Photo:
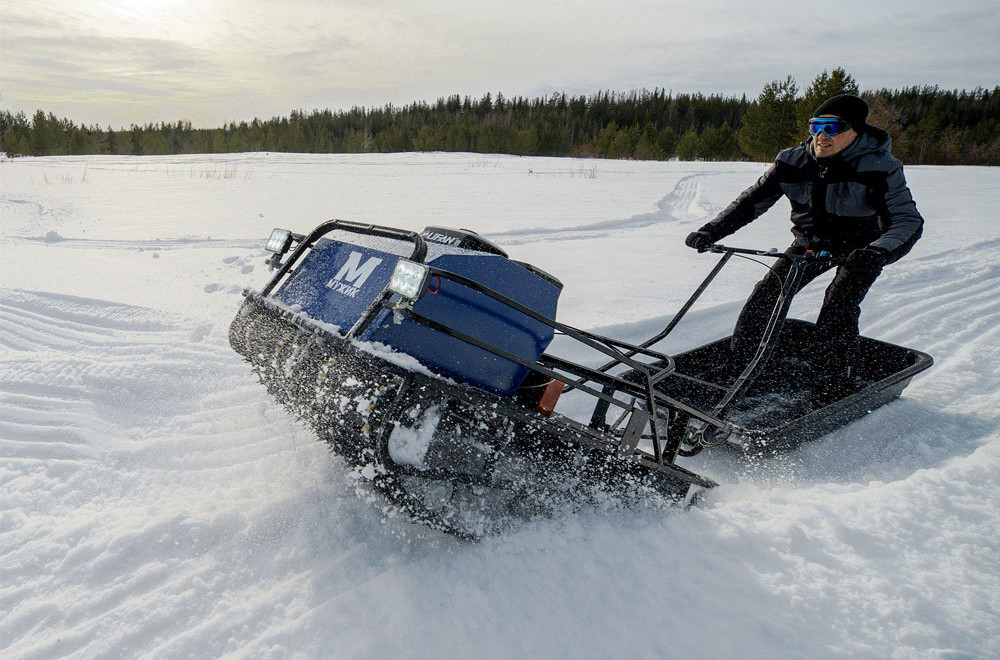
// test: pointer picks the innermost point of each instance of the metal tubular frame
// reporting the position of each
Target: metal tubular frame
(656, 407)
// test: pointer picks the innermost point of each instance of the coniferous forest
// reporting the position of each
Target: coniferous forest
(928, 125)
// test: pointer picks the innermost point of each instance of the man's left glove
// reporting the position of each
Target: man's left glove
(869, 258)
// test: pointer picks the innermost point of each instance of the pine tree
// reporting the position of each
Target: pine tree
(689, 146)
(823, 87)
(719, 143)
(15, 132)
(666, 141)
(605, 140)
(769, 125)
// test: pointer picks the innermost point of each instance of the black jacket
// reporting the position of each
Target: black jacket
(854, 199)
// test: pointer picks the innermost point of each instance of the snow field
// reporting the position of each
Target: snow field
(156, 502)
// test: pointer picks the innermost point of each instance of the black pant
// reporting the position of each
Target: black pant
(837, 324)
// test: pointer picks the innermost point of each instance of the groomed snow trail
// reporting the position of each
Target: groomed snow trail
(156, 503)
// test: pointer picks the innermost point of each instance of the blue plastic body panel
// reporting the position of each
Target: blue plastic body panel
(472, 313)
(337, 283)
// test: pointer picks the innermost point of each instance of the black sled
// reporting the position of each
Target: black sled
(422, 360)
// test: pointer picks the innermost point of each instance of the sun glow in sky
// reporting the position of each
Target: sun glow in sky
(210, 61)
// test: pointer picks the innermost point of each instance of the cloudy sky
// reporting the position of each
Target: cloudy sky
(117, 62)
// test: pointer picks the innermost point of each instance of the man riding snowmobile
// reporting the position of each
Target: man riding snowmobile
(850, 201)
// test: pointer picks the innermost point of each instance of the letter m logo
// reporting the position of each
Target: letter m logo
(354, 272)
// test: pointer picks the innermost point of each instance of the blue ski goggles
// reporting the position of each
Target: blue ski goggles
(829, 125)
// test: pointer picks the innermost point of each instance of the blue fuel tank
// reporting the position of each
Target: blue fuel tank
(338, 281)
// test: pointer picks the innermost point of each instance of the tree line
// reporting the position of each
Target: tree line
(928, 125)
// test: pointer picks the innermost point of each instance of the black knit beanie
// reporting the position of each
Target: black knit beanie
(846, 106)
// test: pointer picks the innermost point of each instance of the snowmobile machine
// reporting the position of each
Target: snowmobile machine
(423, 360)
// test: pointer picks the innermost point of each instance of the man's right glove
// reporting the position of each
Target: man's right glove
(699, 240)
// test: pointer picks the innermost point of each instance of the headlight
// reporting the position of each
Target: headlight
(408, 279)
(279, 241)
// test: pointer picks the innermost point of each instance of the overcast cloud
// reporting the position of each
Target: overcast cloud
(212, 61)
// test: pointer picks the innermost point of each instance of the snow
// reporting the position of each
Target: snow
(408, 446)
(157, 503)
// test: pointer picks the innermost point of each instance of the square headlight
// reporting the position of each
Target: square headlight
(408, 279)
(279, 241)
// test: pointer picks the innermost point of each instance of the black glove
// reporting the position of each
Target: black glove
(869, 258)
(699, 240)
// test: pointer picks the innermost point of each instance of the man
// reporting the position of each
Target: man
(848, 197)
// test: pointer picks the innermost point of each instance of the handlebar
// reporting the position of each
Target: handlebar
(809, 255)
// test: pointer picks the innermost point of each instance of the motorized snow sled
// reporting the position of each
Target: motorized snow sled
(423, 360)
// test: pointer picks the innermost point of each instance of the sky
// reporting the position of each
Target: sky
(115, 63)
